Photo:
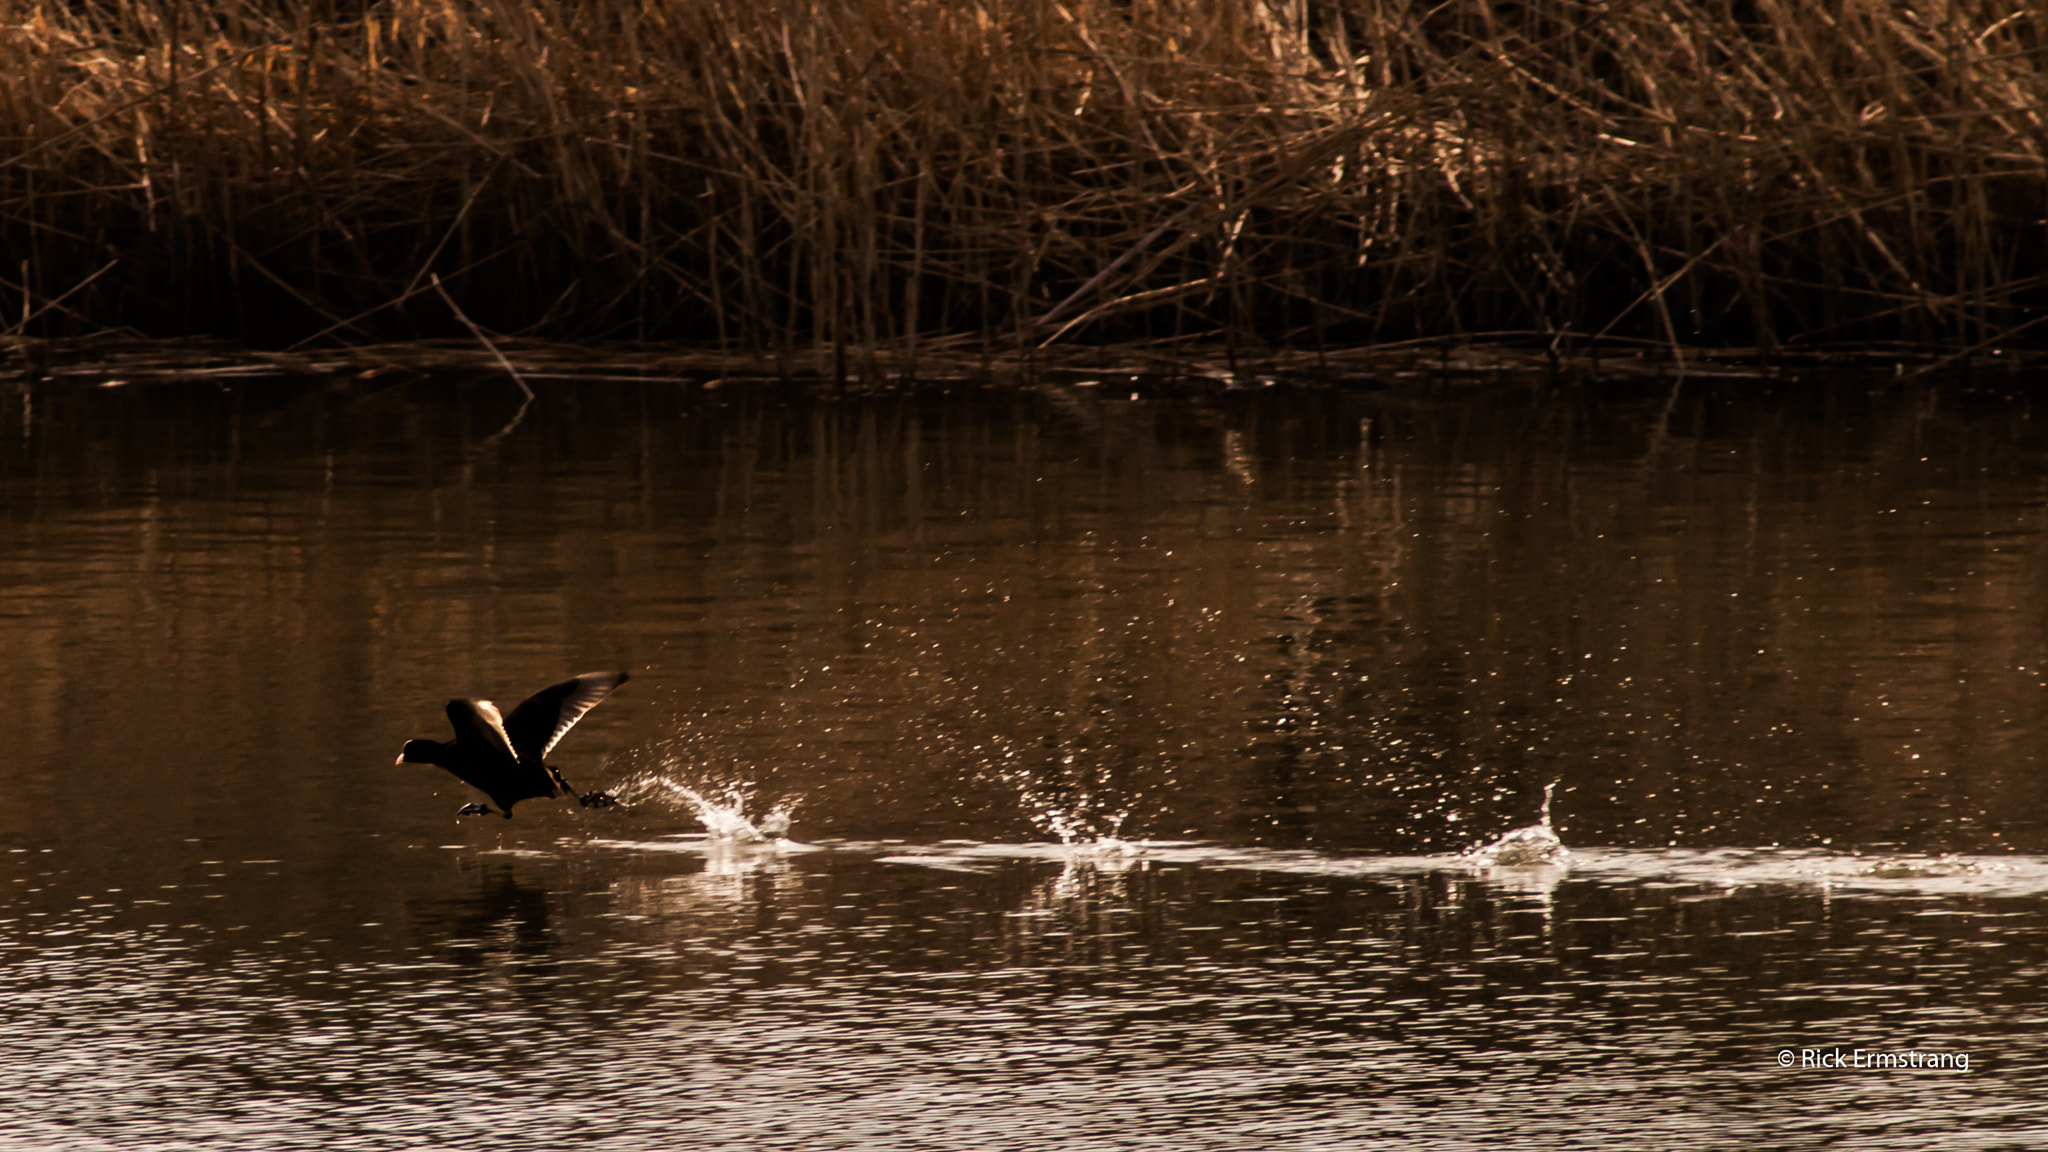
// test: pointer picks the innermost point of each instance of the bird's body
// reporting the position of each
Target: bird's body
(505, 757)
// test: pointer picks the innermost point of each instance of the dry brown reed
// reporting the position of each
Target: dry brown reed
(861, 174)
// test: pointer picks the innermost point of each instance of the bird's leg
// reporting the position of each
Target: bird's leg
(561, 782)
(587, 799)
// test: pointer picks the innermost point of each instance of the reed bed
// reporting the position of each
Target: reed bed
(860, 175)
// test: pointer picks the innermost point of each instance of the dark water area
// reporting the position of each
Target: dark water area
(1132, 736)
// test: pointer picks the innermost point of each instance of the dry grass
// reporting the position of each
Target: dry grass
(859, 174)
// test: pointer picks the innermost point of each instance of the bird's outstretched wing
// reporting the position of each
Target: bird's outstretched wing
(541, 719)
(478, 725)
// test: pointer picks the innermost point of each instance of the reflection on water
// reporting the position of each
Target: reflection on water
(1129, 750)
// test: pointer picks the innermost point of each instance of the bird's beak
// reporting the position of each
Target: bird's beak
(400, 760)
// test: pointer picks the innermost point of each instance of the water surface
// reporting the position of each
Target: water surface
(1131, 731)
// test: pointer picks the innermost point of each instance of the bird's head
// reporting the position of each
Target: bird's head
(421, 752)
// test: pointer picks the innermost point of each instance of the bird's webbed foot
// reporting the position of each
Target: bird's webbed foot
(474, 810)
(598, 800)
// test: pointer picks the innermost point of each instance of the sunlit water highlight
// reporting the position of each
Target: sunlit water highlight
(1028, 769)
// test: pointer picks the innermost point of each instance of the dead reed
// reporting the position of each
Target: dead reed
(861, 174)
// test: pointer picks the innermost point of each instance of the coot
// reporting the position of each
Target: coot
(503, 757)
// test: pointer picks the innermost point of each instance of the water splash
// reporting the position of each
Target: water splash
(1076, 814)
(726, 819)
(723, 812)
(1108, 854)
(1535, 846)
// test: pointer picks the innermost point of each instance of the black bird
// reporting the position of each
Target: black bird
(502, 757)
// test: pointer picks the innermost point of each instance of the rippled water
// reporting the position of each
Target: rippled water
(1132, 735)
